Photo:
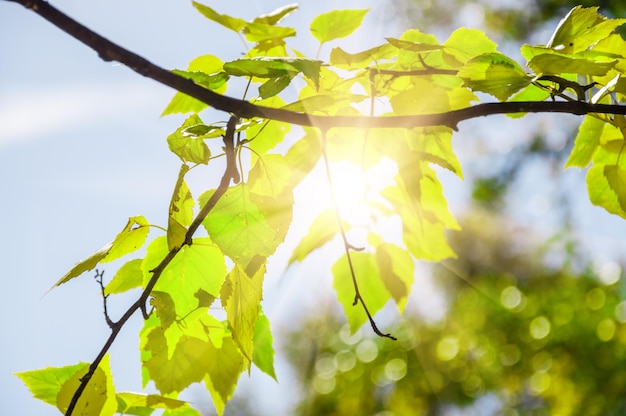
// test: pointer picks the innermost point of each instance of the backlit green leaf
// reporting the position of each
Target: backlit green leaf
(322, 230)
(199, 266)
(370, 284)
(464, 44)
(414, 46)
(131, 238)
(188, 147)
(46, 383)
(237, 226)
(180, 211)
(494, 74)
(580, 29)
(241, 297)
(606, 187)
(270, 176)
(127, 277)
(263, 356)
(270, 67)
(586, 142)
(552, 63)
(205, 70)
(396, 270)
(98, 398)
(223, 371)
(233, 23)
(259, 32)
(336, 24)
(372, 56)
(127, 402)
(277, 15)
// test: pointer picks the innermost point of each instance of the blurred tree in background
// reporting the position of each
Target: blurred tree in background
(516, 338)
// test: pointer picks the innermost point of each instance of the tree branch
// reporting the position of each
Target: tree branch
(109, 51)
(116, 327)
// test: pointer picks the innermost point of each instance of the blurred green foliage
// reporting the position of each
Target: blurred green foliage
(517, 338)
(512, 20)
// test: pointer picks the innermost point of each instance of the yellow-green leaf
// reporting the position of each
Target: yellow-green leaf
(263, 356)
(464, 44)
(371, 287)
(397, 272)
(199, 266)
(495, 74)
(128, 402)
(336, 24)
(187, 146)
(233, 23)
(606, 185)
(277, 15)
(98, 398)
(345, 60)
(127, 277)
(581, 28)
(321, 231)
(223, 370)
(46, 383)
(241, 297)
(586, 142)
(180, 212)
(237, 226)
(131, 238)
(205, 70)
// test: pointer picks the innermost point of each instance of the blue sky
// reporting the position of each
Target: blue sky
(82, 148)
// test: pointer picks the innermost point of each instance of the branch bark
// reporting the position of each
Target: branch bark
(109, 51)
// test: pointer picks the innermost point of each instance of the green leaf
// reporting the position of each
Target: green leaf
(263, 356)
(371, 287)
(616, 178)
(494, 74)
(205, 70)
(128, 277)
(127, 402)
(322, 230)
(180, 211)
(303, 155)
(397, 272)
(434, 144)
(606, 185)
(277, 15)
(259, 32)
(552, 63)
(414, 46)
(199, 266)
(271, 67)
(237, 226)
(233, 23)
(187, 146)
(223, 371)
(586, 142)
(273, 86)
(465, 44)
(336, 24)
(582, 28)
(46, 383)
(241, 297)
(345, 60)
(132, 237)
(98, 398)
(270, 176)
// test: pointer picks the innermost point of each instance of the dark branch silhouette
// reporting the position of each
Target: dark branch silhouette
(109, 51)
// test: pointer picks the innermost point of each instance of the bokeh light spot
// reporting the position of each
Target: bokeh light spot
(510, 355)
(540, 327)
(325, 366)
(620, 312)
(395, 369)
(539, 382)
(324, 385)
(606, 329)
(367, 351)
(595, 298)
(511, 297)
(345, 360)
(447, 348)
(609, 272)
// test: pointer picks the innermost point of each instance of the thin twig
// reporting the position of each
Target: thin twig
(99, 275)
(358, 298)
(158, 270)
